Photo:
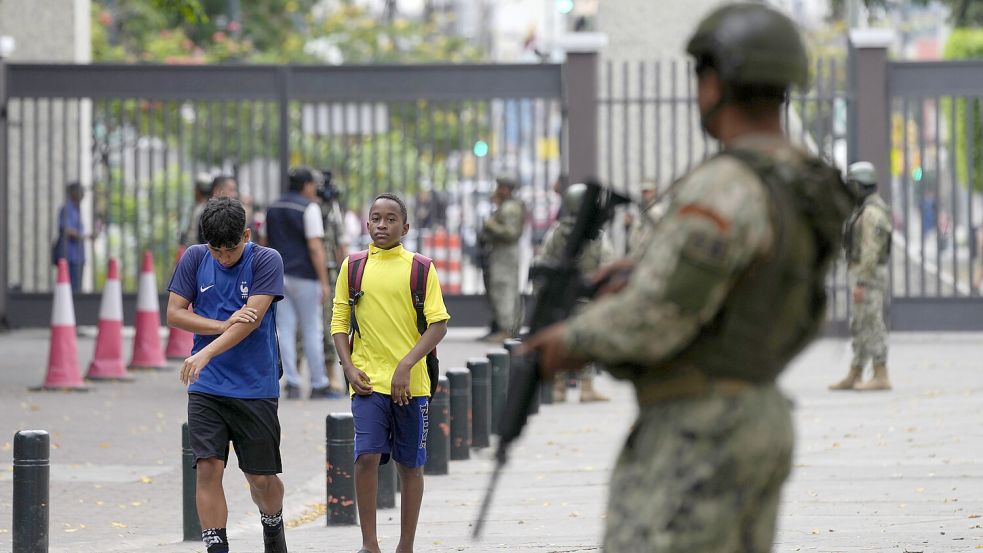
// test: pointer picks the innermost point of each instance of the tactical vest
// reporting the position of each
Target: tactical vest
(850, 231)
(777, 305)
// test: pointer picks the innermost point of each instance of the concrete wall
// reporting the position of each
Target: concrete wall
(47, 30)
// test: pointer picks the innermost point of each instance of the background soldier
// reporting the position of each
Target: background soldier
(596, 253)
(703, 344)
(335, 251)
(640, 224)
(500, 235)
(867, 241)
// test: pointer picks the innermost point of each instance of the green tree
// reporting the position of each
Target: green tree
(963, 13)
(967, 140)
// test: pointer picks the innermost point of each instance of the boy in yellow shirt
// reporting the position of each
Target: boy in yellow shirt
(385, 367)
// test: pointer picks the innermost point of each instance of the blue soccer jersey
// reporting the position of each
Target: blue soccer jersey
(250, 369)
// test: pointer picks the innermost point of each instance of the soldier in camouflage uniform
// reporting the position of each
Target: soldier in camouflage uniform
(652, 209)
(500, 235)
(728, 290)
(596, 253)
(867, 242)
(335, 246)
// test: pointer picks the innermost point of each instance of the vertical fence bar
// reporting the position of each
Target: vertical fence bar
(954, 187)
(625, 134)
(971, 104)
(937, 185)
(641, 122)
(137, 190)
(36, 154)
(65, 177)
(674, 97)
(609, 102)
(283, 111)
(53, 185)
(921, 199)
(22, 215)
(905, 192)
(657, 105)
(690, 99)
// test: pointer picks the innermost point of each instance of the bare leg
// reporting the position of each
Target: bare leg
(366, 484)
(209, 495)
(411, 498)
(267, 492)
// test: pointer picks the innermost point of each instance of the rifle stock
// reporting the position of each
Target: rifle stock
(559, 287)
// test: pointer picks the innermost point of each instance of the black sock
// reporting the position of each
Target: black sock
(272, 524)
(215, 539)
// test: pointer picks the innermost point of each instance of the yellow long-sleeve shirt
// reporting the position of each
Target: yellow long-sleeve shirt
(386, 317)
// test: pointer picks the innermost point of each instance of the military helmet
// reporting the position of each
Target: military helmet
(862, 177)
(507, 180)
(751, 44)
(573, 196)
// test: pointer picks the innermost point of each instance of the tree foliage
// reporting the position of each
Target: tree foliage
(963, 13)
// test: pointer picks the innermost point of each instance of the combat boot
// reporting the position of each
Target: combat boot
(879, 382)
(588, 393)
(851, 380)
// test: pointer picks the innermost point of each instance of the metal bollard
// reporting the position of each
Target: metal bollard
(510, 345)
(481, 399)
(499, 361)
(340, 428)
(546, 392)
(385, 494)
(438, 430)
(31, 472)
(460, 382)
(189, 482)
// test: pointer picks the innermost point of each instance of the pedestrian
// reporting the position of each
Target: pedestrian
(596, 253)
(500, 237)
(730, 287)
(295, 229)
(203, 191)
(70, 243)
(867, 243)
(232, 374)
(382, 341)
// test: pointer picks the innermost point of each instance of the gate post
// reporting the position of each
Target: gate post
(870, 119)
(4, 239)
(580, 102)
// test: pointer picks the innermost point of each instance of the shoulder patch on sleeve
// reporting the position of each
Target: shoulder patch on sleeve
(697, 210)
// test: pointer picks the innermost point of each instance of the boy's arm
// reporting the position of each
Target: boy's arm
(230, 338)
(179, 316)
(400, 387)
(356, 377)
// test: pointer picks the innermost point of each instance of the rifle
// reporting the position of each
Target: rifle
(559, 287)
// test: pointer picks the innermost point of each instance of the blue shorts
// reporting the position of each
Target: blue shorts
(383, 427)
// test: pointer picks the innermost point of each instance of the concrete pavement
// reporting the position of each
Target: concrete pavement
(897, 471)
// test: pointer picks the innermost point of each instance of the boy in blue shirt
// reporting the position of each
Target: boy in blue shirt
(233, 373)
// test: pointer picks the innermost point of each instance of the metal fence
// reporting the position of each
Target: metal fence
(135, 137)
(650, 128)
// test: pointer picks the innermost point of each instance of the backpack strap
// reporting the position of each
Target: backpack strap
(356, 270)
(418, 288)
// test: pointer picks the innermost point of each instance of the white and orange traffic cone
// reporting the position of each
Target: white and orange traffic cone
(179, 342)
(147, 353)
(63, 365)
(107, 362)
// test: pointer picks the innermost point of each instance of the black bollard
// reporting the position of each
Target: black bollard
(385, 494)
(31, 472)
(510, 345)
(341, 469)
(499, 361)
(460, 382)
(481, 399)
(546, 392)
(189, 481)
(438, 430)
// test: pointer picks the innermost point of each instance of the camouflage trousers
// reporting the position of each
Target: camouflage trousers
(702, 475)
(503, 288)
(868, 330)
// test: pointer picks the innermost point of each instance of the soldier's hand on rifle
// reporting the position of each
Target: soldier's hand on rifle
(553, 355)
(612, 278)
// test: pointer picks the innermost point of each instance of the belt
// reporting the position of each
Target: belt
(689, 384)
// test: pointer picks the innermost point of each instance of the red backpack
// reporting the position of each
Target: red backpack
(418, 292)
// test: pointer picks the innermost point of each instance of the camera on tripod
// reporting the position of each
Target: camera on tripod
(326, 189)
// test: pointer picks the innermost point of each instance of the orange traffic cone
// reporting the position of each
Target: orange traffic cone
(107, 362)
(63, 366)
(147, 353)
(179, 342)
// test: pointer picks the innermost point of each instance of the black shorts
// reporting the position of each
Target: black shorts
(251, 425)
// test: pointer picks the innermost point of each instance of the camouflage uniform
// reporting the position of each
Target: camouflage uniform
(500, 234)
(870, 237)
(334, 240)
(705, 462)
(596, 252)
(641, 228)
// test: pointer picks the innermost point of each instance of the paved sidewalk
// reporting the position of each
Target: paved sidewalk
(890, 472)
